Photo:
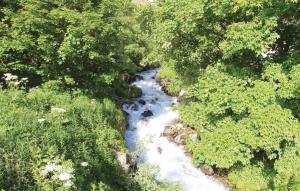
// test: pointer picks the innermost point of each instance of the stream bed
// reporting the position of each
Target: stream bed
(148, 116)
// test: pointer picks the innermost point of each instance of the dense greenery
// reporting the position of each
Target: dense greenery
(51, 140)
(85, 44)
(46, 127)
(239, 62)
(55, 56)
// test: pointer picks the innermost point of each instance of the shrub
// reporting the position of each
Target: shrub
(43, 128)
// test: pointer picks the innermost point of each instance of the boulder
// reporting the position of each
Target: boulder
(195, 137)
(147, 113)
(125, 161)
(135, 78)
(159, 149)
(181, 94)
(134, 107)
(177, 139)
(169, 131)
(178, 133)
(179, 126)
(142, 102)
(207, 171)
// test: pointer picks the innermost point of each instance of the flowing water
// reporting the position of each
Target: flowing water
(174, 164)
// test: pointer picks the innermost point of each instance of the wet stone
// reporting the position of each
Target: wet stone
(159, 149)
(135, 78)
(147, 113)
(135, 107)
(207, 171)
(142, 102)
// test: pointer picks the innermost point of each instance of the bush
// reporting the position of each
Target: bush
(238, 62)
(84, 44)
(44, 128)
(146, 180)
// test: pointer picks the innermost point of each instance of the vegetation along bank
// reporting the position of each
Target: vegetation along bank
(65, 66)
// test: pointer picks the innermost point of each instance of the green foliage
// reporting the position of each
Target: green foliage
(250, 178)
(42, 125)
(259, 36)
(242, 120)
(82, 43)
(238, 60)
(239, 63)
(170, 79)
(147, 180)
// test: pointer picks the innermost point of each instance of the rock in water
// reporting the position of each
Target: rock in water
(135, 78)
(134, 107)
(207, 171)
(153, 101)
(159, 149)
(147, 113)
(142, 102)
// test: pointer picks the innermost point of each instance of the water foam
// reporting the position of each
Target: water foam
(174, 164)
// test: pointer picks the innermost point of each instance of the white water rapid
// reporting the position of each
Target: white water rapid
(174, 164)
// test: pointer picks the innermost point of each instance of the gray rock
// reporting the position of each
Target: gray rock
(207, 171)
(147, 113)
(159, 149)
(125, 161)
(195, 137)
(135, 78)
(135, 107)
(142, 102)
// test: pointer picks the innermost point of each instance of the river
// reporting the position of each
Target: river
(146, 131)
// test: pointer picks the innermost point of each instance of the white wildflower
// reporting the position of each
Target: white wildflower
(68, 183)
(7, 74)
(33, 89)
(52, 167)
(42, 120)
(65, 176)
(44, 173)
(54, 177)
(59, 110)
(70, 170)
(24, 79)
(10, 77)
(17, 83)
(268, 53)
(84, 164)
(56, 160)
